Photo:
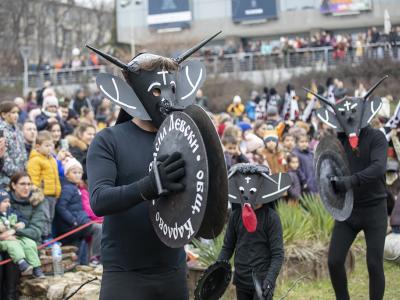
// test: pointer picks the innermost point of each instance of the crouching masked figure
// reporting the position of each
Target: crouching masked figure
(254, 230)
(365, 150)
(137, 265)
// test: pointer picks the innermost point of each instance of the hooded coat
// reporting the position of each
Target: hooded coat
(69, 210)
(32, 210)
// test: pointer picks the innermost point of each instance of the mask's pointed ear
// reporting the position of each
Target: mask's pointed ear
(118, 91)
(191, 77)
(273, 187)
(371, 108)
(329, 118)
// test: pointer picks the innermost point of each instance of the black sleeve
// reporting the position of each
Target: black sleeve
(229, 240)
(275, 236)
(105, 197)
(1, 163)
(378, 157)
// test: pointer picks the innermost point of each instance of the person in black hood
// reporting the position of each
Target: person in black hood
(122, 177)
(254, 231)
(366, 151)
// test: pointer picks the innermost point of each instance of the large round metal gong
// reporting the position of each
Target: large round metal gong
(329, 164)
(217, 200)
(176, 218)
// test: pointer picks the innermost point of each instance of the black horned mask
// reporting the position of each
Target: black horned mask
(151, 93)
(250, 185)
(350, 114)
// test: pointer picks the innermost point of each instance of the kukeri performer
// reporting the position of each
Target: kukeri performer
(254, 231)
(365, 149)
(137, 265)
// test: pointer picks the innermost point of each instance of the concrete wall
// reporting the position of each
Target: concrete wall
(212, 15)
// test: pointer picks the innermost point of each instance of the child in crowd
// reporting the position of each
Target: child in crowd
(295, 174)
(306, 158)
(42, 168)
(274, 157)
(22, 250)
(232, 152)
(70, 213)
(288, 143)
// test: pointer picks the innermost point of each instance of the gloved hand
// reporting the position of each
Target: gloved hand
(171, 170)
(342, 184)
(268, 290)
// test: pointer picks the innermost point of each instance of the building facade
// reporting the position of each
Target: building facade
(144, 22)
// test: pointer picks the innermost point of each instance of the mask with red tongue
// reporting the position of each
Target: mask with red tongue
(249, 218)
(353, 140)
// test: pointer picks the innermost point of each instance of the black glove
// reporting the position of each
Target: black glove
(342, 184)
(171, 170)
(268, 290)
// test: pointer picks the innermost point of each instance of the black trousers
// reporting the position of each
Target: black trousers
(9, 279)
(133, 285)
(373, 221)
(244, 294)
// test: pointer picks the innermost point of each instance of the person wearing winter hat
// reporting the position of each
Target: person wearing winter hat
(236, 108)
(271, 153)
(49, 114)
(252, 144)
(69, 212)
(22, 250)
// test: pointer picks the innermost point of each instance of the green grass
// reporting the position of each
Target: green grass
(358, 284)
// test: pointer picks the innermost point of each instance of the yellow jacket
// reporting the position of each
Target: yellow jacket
(236, 109)
(44, 173)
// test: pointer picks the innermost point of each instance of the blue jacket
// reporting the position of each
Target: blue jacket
(69, 209)
(306, 158)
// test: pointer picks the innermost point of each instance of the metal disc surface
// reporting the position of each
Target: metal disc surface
(330, 163)
(177, 218)
(217, 200)
(214, 281)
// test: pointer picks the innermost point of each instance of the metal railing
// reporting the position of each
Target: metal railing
(241, 62)
(65, 76)
(303, 57)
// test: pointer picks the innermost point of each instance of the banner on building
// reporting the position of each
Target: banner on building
(246, 10)
(169, 13)
(338, 7)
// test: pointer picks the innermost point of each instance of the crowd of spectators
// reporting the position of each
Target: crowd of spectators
(340, 42)
(44, 139)
(282, 132)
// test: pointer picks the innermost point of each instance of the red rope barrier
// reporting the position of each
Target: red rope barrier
(6, 261)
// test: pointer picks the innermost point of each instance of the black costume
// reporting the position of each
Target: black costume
(261, 251)
(366, 152)
(255, 235)
(123, 178)
(368, 167)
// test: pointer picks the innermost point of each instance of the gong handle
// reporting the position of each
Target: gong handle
(161, 191)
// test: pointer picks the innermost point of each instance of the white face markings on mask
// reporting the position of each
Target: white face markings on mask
(163, 73)
(156, 83)
(247, 180)
(347, 104)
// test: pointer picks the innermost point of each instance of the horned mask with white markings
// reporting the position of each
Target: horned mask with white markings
(350, 114)
(155, 86)
(250, 185)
